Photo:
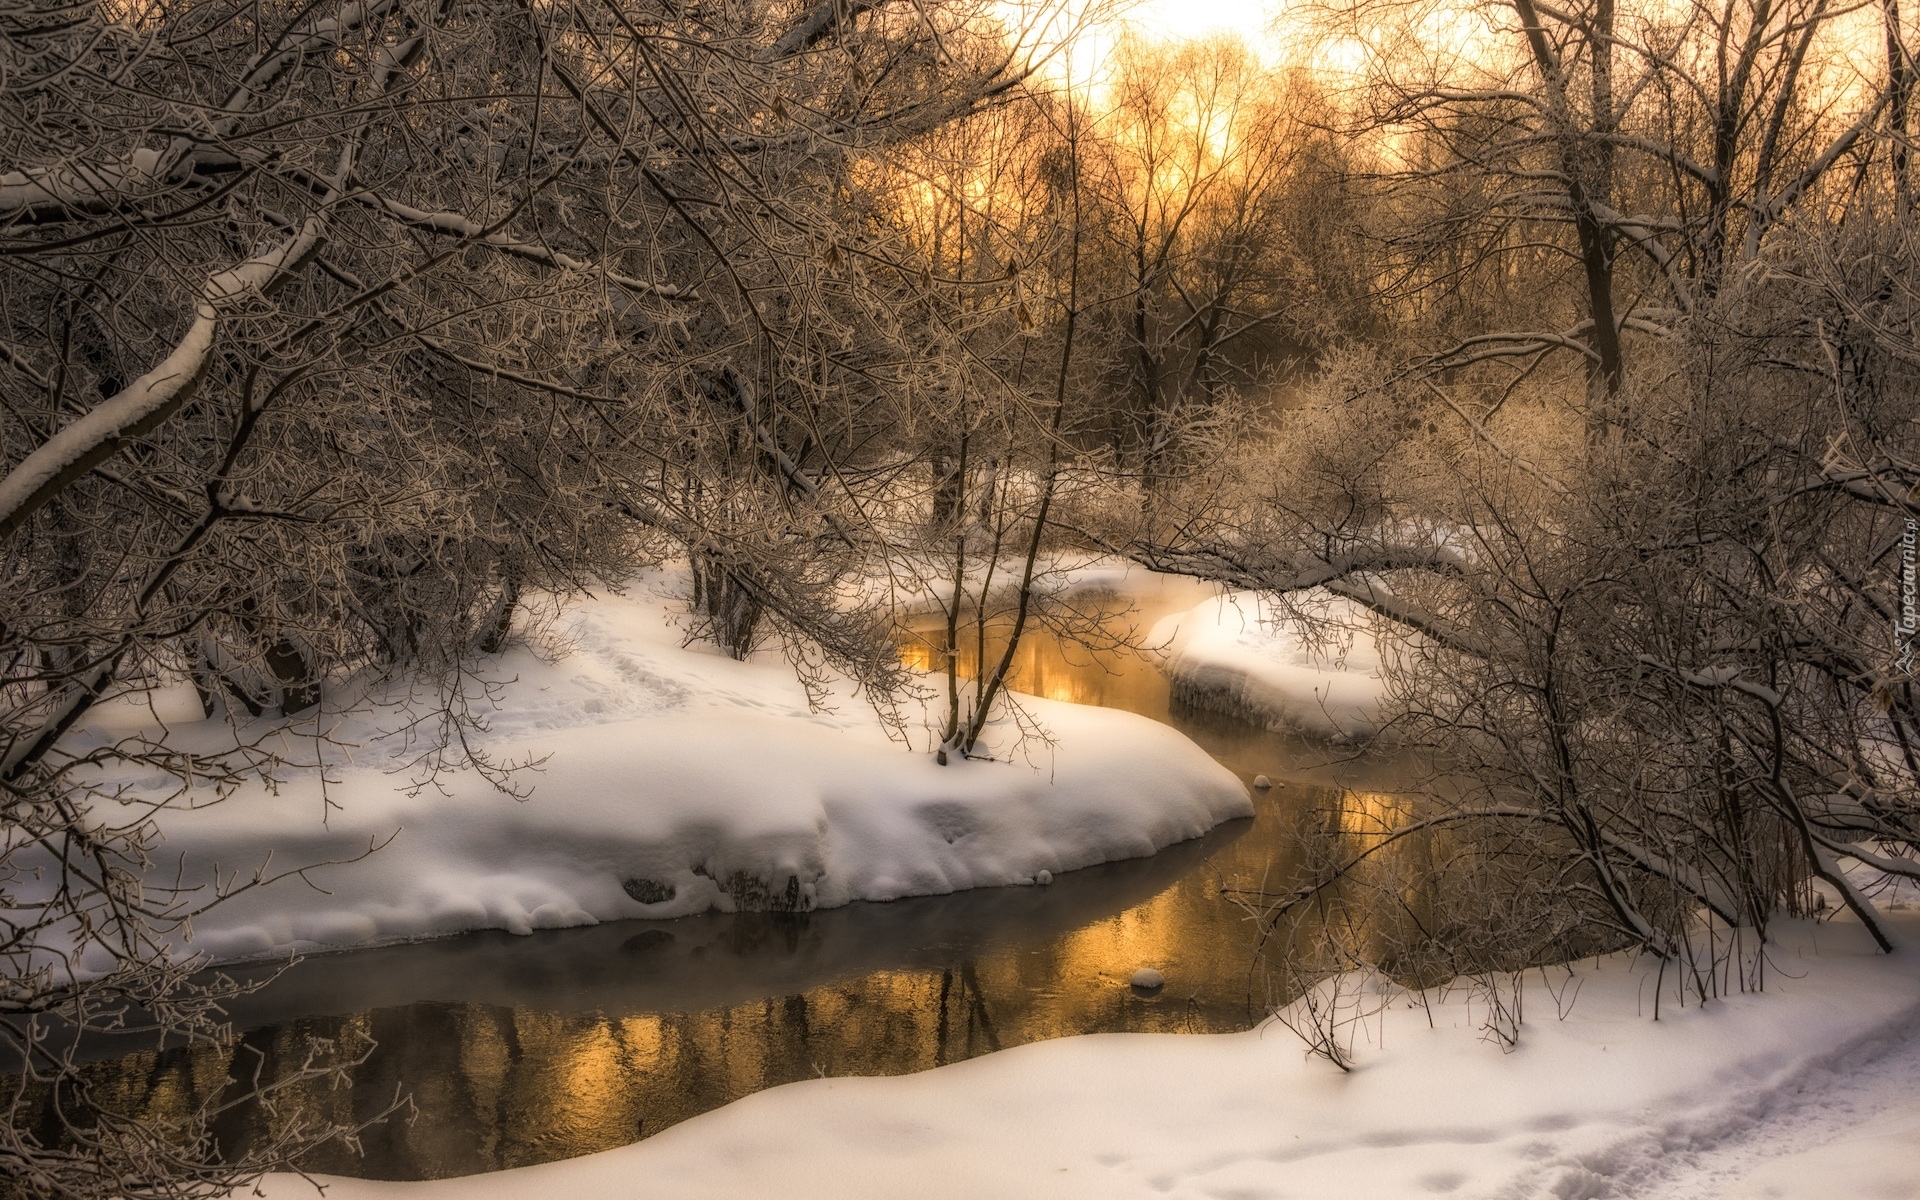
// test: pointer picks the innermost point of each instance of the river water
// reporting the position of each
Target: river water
(520, 1050)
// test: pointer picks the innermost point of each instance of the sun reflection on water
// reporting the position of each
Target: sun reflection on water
(692, 1014)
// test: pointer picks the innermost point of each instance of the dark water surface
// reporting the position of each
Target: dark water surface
(520, 1050)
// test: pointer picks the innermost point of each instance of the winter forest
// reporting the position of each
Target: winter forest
(595, 593)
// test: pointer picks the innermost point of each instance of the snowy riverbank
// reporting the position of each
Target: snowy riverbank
(1597, 1101)
(1237, 654)
(671, 780)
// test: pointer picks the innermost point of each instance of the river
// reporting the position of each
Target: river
(521, 1050)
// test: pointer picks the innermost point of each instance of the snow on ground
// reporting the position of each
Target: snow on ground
(1849, 1127)
(1877, 1161)
(1849, 1130)
(1599, 1102)
(1236, 654)
(672, 780)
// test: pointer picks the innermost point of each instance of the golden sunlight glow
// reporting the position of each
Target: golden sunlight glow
(1174, 20)
(1081, 45)
(1371, 814)
(1080, 38)
(1045, 666)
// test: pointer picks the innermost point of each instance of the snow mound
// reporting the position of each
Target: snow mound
(1234, 655)
(671, 780)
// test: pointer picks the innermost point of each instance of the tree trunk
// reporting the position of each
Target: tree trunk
(1899, 104)
(728, 605)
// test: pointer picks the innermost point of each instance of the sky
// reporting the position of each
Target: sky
(1200, 18)
(1169, 20)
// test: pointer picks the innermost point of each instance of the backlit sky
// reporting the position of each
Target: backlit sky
(1199, 18)
(1170, 20)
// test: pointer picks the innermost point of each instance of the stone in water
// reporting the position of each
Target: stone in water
(646, 891)
(1148, 980)
(1261, 781)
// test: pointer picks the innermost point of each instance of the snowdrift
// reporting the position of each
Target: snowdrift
(671, 781)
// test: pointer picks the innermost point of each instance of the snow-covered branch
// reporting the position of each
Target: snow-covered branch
(452, 224)
(137, 408)
(77, 188)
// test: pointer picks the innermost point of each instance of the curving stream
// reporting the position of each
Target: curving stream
(520, 1050)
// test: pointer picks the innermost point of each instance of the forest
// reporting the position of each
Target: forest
(1566, 354)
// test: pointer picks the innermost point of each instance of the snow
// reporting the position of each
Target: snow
(1598, 1100)
(1236, 654)
(668, 769)
(1850, 1130)
(1069, 576)
(670, 780)
(1879, 1161)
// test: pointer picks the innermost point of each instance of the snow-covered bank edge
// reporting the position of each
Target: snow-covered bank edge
(1235, 654)
(1597, 1101)
(671, 780)
(1310, 666)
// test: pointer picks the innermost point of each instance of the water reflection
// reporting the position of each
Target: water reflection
(519, 1050)
(1044, 665)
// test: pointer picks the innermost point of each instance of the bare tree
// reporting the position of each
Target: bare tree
(1644, 612)
(1614, 165)
(326, 333)
(1664, 676)
(1194, 151)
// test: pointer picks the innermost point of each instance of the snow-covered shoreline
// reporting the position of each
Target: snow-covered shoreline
(1598, 1100)
(1234, 654)
(675, 780)
(672, 780)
